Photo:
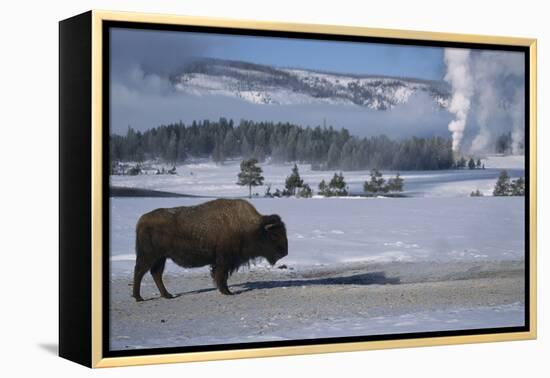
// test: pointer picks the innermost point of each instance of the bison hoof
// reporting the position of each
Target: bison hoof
(139, 299)
(226, 292)
(168, 296)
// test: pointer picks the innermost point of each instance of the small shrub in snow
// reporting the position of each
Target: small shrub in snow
(476, 193)
(305, 192)
(335, 188)
(506, 187)
(378, 185)
(293, 182)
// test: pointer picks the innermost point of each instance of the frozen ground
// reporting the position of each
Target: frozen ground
(355, 267)
(436, 260)
(352, 300)
(338, 231)
(208, 179)
(505, 162)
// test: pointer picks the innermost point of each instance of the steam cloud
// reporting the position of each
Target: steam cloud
(459, 76)
(487, 86)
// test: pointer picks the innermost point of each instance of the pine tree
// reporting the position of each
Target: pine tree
(471, 164)
(333, 157)
(503, 143)
(182, 154)
(246, 150)
(376, 183)
(461, 163)
(172, 149)
(476, 193)
(323, 189)
(346, 157)
(250, 175)
(478, 163)
(337, 185)
(259, 153)
(229, 144)
(135, 170)
(395, 184)
(305, 191)
(517, 187)
(217, 154)
(293, 181)
(132, 142)
(502, 186)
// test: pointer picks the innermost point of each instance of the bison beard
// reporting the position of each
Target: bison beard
(224, 234)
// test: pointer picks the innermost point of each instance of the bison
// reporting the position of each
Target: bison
(222, 233)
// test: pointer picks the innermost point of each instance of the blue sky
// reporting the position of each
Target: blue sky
(169, 49)
(346, 57)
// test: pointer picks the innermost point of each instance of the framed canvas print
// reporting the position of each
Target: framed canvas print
(235, 189)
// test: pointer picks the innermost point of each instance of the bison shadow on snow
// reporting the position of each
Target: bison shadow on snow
(372, 278)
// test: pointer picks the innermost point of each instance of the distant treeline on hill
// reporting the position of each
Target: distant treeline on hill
(323, 147)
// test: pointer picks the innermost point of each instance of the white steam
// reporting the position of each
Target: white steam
(485, 71)
(489, 87)
(518, 130)
(459, 76)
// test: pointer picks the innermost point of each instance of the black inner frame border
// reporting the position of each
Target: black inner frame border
(108, 25)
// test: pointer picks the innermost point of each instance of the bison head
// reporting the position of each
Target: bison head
(274, 242)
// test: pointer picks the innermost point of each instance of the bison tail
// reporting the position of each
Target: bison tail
(143, 242)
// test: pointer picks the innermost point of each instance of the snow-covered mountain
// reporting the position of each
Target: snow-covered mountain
(263, 84)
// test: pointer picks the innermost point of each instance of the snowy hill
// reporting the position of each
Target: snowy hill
(262, 84)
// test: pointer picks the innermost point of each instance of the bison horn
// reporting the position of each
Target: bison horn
(268, 227)
(271, 221)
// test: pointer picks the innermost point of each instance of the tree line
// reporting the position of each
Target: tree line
(251, 176)
(505, 187)
(322, 147)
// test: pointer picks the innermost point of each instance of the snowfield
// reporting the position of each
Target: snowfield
(207, 179)
(357, 300)
(505, 162)
(339, 231)
(436, 260)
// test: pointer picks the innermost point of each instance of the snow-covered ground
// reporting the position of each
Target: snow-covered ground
(505, 162)
(508, 315)
(355, 300)
(436, 260)
(328, 231)
(433, 264)
(211, 180)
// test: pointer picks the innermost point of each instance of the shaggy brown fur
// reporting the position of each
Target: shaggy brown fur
(223, 233)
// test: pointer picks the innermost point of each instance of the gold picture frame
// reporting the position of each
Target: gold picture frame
(86, 32)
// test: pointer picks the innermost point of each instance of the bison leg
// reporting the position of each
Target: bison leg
(156, 272)
(139, 272)
(220, 278)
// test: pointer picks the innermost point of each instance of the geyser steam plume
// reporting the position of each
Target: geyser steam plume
(459, 76)
(499, 97)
